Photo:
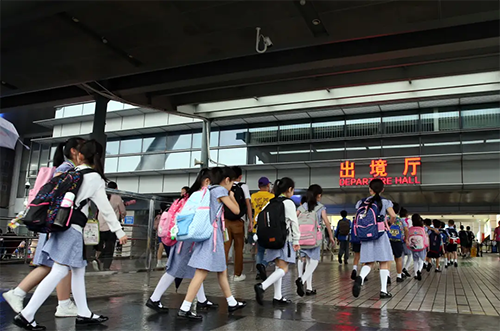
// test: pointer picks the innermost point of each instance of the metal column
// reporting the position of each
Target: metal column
(205, 144)
(98, 133)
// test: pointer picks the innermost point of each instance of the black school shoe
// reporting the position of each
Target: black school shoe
(356, 288)
(300, 287)
(354, 274)
(419, 275)
(400, 280)
(239, 305)
(156, 306)
(282, 301)
(206, 305)
(21, 322)
(406, 273)
(310, 292)
(437, 270)
(188, 315)
(91, 320)
(455, 264)
(259, 293)
(429, 267)
(384, 295)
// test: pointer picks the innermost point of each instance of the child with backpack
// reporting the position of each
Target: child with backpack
(453, 241)
(66, 247)
(209, 255)
(278, 231)
(177, 265)
(312, 219)
(342, 236)
(65, 158)
(356, 248)
(436, 247)
(418, 242)
(371, 229)
(407, 253)
(397, 232)
(444, 241)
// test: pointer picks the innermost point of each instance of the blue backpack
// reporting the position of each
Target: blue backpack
(369, 224)
(395, 230)
(435, 241)
(444, 236)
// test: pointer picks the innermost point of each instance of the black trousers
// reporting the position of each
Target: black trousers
(344, 249)
(107, 242)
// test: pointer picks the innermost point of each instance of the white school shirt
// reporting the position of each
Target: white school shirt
(93, 188)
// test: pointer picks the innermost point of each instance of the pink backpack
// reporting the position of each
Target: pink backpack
(311, 234)
(417, 239)
(167, 221)
(45, 174)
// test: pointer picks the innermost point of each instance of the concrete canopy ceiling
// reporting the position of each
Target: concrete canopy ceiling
(167, 53)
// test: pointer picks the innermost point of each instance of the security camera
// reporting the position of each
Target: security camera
(265, 40)
(27, 185)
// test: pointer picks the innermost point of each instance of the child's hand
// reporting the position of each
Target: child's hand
(296, 247)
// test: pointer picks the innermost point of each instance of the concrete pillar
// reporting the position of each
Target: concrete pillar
(205, 143)
(98, 133)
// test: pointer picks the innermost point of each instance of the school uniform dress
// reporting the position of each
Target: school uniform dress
(287, 253)
(205, 256)
(313, 253)
(378, 250)
(67, 247)
(177, 264)
(408, 224)
(40, 258)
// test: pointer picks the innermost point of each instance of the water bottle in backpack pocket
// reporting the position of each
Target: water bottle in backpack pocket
(417, 239)
(167, 222)
(369, 224)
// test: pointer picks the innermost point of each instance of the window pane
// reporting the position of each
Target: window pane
(263, 135)
(294, 153)
(481, 118)
(262, 154)
(128, 163)
(214, 139)
(178, 141)
(112, 147)
(401, 146)
(128, 146)
(44, 157)
(328, 151)
(233, 137)
(328, 130)
(73, 110)
(363, 149)
(52, 151)
(178, 160)
(35, 159)
(233, 156)
(196, 155)
(154, 144)
(440, 121)
(400, 124)
(110, 164)
(363, 127)
(441, 144)
(295, 132)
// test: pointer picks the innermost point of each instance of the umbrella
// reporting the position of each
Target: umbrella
(178, 282)
(8, 134)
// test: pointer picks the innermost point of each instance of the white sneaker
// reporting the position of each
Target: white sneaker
(159, 265)
(15, 301)
(69, 310)
(95, 265)
(240, 278)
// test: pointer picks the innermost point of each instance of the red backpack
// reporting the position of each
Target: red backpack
(167, 221)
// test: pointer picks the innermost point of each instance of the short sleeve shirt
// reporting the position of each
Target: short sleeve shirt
(215, 194)
(64, 167)
(385, 204)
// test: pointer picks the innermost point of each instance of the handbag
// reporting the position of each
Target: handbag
(91, 233)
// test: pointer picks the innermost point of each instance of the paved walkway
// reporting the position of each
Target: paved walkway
(446, 301)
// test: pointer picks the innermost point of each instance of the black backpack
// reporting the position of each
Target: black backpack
(344, 227)
(239, 196)
(271, 225)
(45, 214)
(435, 241)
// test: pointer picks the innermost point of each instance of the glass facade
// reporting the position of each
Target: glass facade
(407, 133)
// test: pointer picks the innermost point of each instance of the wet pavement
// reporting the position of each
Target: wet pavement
(448, 301)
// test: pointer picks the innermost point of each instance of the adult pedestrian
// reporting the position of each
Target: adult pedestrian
(235, 223)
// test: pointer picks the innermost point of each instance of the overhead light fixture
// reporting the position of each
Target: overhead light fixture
(316, 21)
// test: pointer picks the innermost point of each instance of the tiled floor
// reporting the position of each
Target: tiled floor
(446, 301)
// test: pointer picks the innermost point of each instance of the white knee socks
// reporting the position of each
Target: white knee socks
(365, 270)
(277, 289)
(201, 294)
(407, 262)
(384, 274)
(44, 289)
(420, 265)
(310, 267)
(163, 284)
(79, 293)
(277, 274)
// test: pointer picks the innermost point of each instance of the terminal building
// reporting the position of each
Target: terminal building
(435, 143)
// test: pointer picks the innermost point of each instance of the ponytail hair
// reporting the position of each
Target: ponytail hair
(63, 150)
(283, 185)
(218, 174)
(92, 152)
(202, 175)
(377, 186)
(312, 196)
